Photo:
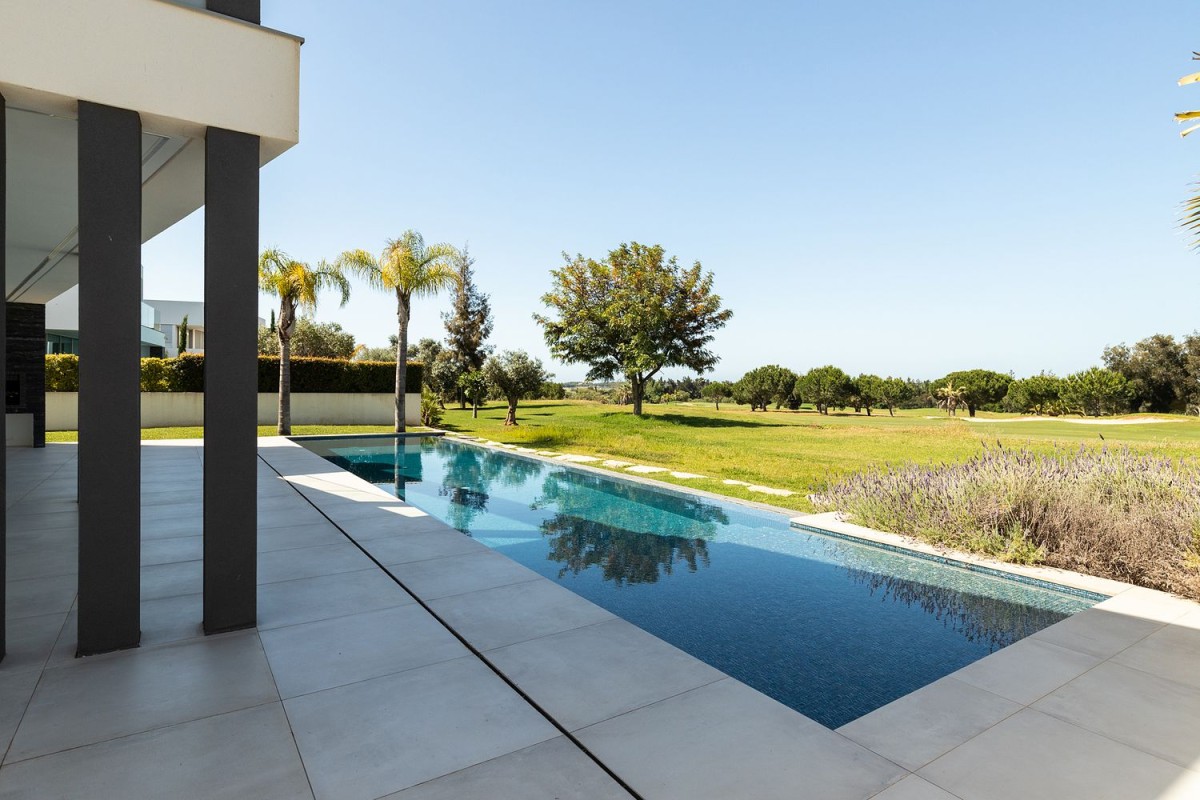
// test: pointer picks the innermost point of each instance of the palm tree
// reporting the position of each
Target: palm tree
(296, 285)
(410, 268)
(950, 397)
(1190, 220)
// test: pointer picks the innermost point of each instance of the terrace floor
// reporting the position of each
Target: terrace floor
(395, 657)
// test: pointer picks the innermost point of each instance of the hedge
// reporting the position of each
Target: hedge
(186, 374)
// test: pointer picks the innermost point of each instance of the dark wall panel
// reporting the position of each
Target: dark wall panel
(230, 380)
(110, 245)
(25, 372)
(248, 10)
(3, 371)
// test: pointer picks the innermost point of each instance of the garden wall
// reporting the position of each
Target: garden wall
(182, 409)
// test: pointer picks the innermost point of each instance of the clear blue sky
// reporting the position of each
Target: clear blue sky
(901, 188)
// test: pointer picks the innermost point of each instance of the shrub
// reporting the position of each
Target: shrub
(1112, 513)
(431, 409)
(186, 374)
(155, 374)
(62, 373)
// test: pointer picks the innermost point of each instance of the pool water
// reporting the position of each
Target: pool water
(829, 626)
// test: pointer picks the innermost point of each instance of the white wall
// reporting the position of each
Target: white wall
(176, 409)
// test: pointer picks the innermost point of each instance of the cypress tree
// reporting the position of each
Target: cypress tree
(469, 324)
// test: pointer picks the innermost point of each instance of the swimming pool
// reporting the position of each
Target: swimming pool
(830, 626)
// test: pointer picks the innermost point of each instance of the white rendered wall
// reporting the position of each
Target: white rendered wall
(182, 68)
(184, 409)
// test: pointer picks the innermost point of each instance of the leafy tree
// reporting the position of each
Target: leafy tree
(824, 387)
(550, 390)
(311, 340)
(978, 387)
(1157, 371)
(431, 409)
(950, 397)
(409, 268)
(717, 391)
(635, 313)
(474, 386)
(384, 354)
(869, 389)
(296, 284)
(514, 376)
(1097, 391)
(891, 392)
(763, 385)
(470, 323)
(1038, 394)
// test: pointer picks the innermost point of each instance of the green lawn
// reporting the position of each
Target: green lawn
(796, 450)
(801, 450)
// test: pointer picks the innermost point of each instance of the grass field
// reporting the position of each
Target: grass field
(796, 450)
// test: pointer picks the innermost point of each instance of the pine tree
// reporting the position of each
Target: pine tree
(470, 323)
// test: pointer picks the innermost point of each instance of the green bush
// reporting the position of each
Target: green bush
(186, 374)
(155, 374)
(62, 373)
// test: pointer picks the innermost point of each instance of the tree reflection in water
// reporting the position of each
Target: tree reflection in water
(635, 540)
(993, 621)
(469, 475)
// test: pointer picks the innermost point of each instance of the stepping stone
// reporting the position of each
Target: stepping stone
(768, 490)
(644, 470)
(612, 462)
(731, 482)
(685, 475)
(526, 450)
(547, 453)
(574, 459)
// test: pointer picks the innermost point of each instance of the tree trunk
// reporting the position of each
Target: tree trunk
(892, 410)
(402, 309)
(970, 409)
(474, 410)
(511, 419)
(868, 411)
(287, 323)
(717, 403)
(638, 388)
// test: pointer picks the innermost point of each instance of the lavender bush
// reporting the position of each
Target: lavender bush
(1112, 513)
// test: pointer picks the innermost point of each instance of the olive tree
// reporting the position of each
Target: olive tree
(514, 375)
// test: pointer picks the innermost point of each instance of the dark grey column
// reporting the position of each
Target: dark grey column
(230, 380)
(248, 10)
(3, 372)
(110, 247)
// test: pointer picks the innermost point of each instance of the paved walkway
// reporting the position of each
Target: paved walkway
(395, 657)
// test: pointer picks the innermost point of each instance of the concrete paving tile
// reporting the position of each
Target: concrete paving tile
(243, 754)
(377, 737)
(51, 558)
(408, 546)
(16, 687)
(289, 517)
(1153, 714)
(327, 596)
(161, 512)
(30, 641)
(725, 740)
(914, 788)
(442, 577)
(509, 614)
(389, 527)
(1172, 652)
(309, 535)
(31, 521)
(98, 698)
(320, 655)
(173, 579)
(1034, 756)
(553, 770)
(172, 619)
(589, 674)
(1148, 604)
(1098, 632)
(309, 562)
(919, 727)
(1026, 670)
(173, 550)
(40, 596)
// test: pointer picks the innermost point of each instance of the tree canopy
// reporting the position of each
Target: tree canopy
(634, 313)
(514, 375)
(717, 391)
(978, 387)
(1096, 391)
(469, 322)
(764, 385)
(312, 339)
(824, 387)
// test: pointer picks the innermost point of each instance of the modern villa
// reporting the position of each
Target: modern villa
(431, 616)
